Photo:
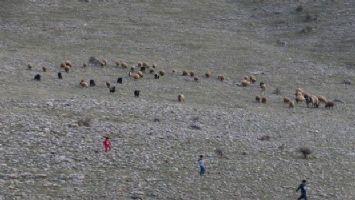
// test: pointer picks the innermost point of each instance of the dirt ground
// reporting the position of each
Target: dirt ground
(156, 140)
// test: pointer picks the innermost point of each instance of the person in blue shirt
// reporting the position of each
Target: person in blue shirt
(303, 190)
(201, 164)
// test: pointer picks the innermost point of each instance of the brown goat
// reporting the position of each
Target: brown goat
(124, 65)
(322, 99)
(161, 72)
(329, 104)
(192, 74)
(258, 99)
(220, 77)
(300, 98)
(135, 76)
(84, 83)
(68, 63)
(185, 73)
(140, 73)
(44, 69)
(245, 83)
(262, 86)
(263, 100)
(313, 100)
(287, 100)
(291, 104)
(181, 98)
(252, 79)
(208, 74)
(103, 62)
(299, 90)
(66, 68)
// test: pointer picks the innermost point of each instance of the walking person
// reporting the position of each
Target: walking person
(303, 190)
(107, 144)
(201, 164)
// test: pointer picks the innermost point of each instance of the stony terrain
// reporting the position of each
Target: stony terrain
(45, 154)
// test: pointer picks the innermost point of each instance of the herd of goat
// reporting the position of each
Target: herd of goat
(137, 72)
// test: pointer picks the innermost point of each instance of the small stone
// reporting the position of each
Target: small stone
(347, 82)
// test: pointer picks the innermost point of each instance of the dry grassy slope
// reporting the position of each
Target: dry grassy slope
(227, 37)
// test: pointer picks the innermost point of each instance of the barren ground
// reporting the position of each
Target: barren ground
(44, 154)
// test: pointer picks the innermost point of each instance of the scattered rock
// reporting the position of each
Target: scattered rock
(195, 127)
(310, 18)
(299, 8)
(264, 138)
(281, 147)
(281, 43)
(347, 82)
(277, 91)
(94, 61)
(84, 122)
(219, 152)
(307, 29)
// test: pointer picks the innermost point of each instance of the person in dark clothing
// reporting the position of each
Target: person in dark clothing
(201, 164)
(303, 190)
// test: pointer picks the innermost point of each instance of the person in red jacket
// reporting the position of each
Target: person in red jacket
(107, 144)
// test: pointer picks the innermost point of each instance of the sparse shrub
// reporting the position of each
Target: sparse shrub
(277, 91)
(347, 82)
(219, 152)
(195, 118)
(310, 18)
(85, 122)
(94, 61)
(307, 29)
(299, 8)
(264, 138)
(305, 151)
(195, 127)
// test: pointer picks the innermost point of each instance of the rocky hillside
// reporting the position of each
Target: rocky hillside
(52, 130)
